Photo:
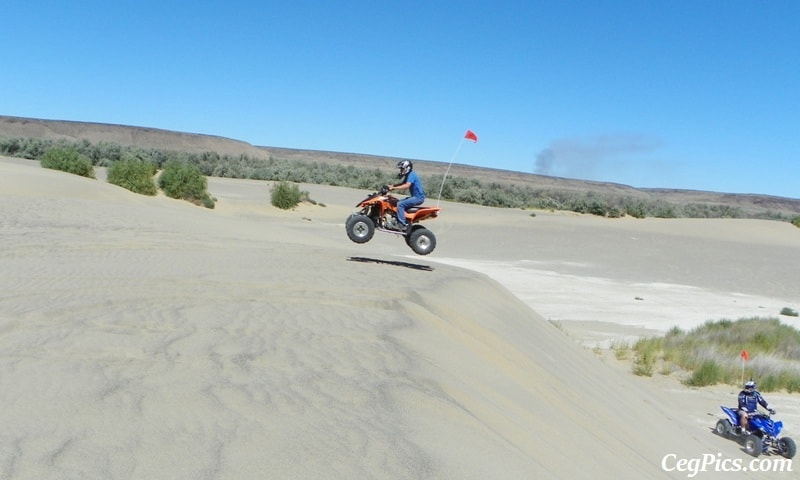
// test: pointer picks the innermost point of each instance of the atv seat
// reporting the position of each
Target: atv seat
(416, 208)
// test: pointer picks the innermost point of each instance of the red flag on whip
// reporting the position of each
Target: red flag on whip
(470, 135)
(745, 357)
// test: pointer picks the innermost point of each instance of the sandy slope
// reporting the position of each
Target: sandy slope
(148, 338)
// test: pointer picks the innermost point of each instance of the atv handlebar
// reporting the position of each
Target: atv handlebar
(769, 412)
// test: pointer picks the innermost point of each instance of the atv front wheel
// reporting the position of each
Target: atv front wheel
(360, 228)
(753, 445)
(723, 428)
(421, 240)
(788, 447)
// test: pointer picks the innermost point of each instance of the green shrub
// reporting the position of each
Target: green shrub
(596, 207)
(711, 353)
(647, 352)
(185, 181)
(134, 175)
(643, 363)
(792, 384)
(636, 209)
(621, 349)
(708, 373)
(286, 195)
(769, 382)
(789, 312)
(67, 160)
(459, 189)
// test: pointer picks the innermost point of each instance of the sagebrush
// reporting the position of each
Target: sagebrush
(67, 160)
(133, 174)
(285, 195)
(464, 190)
(185, 181)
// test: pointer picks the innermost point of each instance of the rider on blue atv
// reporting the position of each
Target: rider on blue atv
(749, 400)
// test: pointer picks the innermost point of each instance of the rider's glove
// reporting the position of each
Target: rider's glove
(772, 411)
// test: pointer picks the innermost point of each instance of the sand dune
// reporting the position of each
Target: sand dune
(146, 338)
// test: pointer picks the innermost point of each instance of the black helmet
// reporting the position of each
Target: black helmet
(404, 166)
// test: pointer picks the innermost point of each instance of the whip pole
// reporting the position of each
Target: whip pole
(448, 171)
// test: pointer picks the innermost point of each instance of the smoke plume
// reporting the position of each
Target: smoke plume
(592, 157)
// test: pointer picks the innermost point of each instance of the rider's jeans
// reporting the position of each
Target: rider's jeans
(405, 203)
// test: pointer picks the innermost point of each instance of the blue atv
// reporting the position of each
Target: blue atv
(763, 435)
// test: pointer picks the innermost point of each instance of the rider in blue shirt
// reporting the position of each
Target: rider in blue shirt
(749, 400)
(411, 181)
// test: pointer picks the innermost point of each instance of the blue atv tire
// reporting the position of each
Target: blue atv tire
(724, 428)
(788, 447)
(753, 445)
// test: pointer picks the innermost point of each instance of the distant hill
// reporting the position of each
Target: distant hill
(143, 137)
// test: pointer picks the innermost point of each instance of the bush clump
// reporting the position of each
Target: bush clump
(789, 312)
(134, 175)
(711, 353)
(643, 363)
(708, 373)
(185, 181)
(67, 160)
(286, 195)
(459, 189)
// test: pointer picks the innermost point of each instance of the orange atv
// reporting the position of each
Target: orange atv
(379, 211)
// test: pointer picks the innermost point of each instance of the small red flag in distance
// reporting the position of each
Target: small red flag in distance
(744, 355)
(470, 135)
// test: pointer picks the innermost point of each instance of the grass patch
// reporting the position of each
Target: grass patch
(621, 348)
(646, 353)
(711, 353)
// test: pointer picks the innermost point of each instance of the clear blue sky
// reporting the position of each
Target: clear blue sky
(676, 94)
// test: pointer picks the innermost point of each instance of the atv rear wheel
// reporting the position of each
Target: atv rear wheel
(723, 428)
(753, 445)
(421, 240)
(360, 228)
(788, 447)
